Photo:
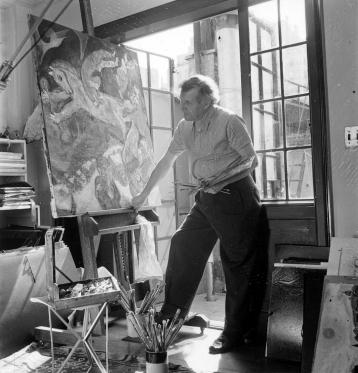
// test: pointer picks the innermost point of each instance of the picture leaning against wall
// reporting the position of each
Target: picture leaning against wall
(92, 113)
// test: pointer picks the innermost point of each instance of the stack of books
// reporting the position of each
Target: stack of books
(18, 194)
(12, 163)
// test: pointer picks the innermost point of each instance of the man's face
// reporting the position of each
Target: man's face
(193, 104)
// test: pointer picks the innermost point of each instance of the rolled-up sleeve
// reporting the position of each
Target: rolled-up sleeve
(240, 140)
(238, 136)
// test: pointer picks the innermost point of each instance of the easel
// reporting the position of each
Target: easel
(116, 222)
(93, 225)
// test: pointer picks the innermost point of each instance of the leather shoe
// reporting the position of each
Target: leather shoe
(223, 344)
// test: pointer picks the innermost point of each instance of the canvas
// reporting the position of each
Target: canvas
(337, 336)
(96, 137)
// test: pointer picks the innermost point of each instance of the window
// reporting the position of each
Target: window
(280, 102)
(157, 88)
(283, 96)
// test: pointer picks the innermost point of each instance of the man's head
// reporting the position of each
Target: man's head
(198, 93)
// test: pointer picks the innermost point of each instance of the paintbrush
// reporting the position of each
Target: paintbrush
(174, 333)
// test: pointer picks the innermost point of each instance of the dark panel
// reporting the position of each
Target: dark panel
(293, 314)
(313, 253)
(286, 211)
(293, 231)
(313, 287)
(284, 340)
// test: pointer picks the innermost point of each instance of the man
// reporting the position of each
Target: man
(227, 207)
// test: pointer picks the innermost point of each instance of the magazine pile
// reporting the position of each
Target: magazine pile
(17, 194)
(12, 163)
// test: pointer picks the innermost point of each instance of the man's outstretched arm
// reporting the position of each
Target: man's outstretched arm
(157, 174)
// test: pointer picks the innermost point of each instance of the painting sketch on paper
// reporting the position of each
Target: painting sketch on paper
(97, 141)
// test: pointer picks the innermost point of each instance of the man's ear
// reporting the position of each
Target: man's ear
(206, 101)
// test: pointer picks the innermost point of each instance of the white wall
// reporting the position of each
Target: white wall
(341, 40)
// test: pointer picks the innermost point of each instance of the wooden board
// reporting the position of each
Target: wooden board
(336, 348)
(343, 257)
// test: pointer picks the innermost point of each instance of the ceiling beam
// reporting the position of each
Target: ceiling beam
(172, 14)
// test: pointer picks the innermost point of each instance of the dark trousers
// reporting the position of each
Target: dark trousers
(233, 218)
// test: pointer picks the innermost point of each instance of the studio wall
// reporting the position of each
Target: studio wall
(341, 58)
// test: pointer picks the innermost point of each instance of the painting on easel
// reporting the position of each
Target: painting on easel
(92, 110)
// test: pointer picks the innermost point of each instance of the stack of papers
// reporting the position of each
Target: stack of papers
(16, 194)
(12, 163)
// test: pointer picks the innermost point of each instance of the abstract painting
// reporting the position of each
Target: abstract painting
(92, 111)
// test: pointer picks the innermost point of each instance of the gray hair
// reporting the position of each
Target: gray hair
(206, 85)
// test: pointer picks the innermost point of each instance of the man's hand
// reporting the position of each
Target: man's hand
(138, 201)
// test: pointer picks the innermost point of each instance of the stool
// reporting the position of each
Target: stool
(84, 337)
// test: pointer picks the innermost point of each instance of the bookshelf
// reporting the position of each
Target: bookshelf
(13, 169)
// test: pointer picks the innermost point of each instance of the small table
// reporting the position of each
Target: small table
(84, 337)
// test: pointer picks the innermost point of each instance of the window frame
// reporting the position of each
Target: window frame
(318, 207)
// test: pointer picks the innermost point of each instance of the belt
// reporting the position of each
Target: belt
(232, 186)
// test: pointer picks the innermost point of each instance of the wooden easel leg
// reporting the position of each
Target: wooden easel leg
(86, 321)
(89, 250)
(51, 336)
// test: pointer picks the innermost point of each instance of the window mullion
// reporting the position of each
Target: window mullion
(282, 101)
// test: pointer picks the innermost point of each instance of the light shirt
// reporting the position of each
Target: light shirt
(219, 147)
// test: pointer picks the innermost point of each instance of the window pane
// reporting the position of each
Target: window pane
(293, 21)
(143, 66)
(270, 175)
(161, 141)
(295, 74)
(300, 180)
(265, 76)
(263, 26)
(167, 219)
(159, 73)
(297, 116)
(161, 109)
(267, 125)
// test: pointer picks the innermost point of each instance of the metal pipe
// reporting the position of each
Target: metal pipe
(29, 34)
(86, 16)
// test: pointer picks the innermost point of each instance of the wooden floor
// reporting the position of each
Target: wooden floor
(189, 350)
